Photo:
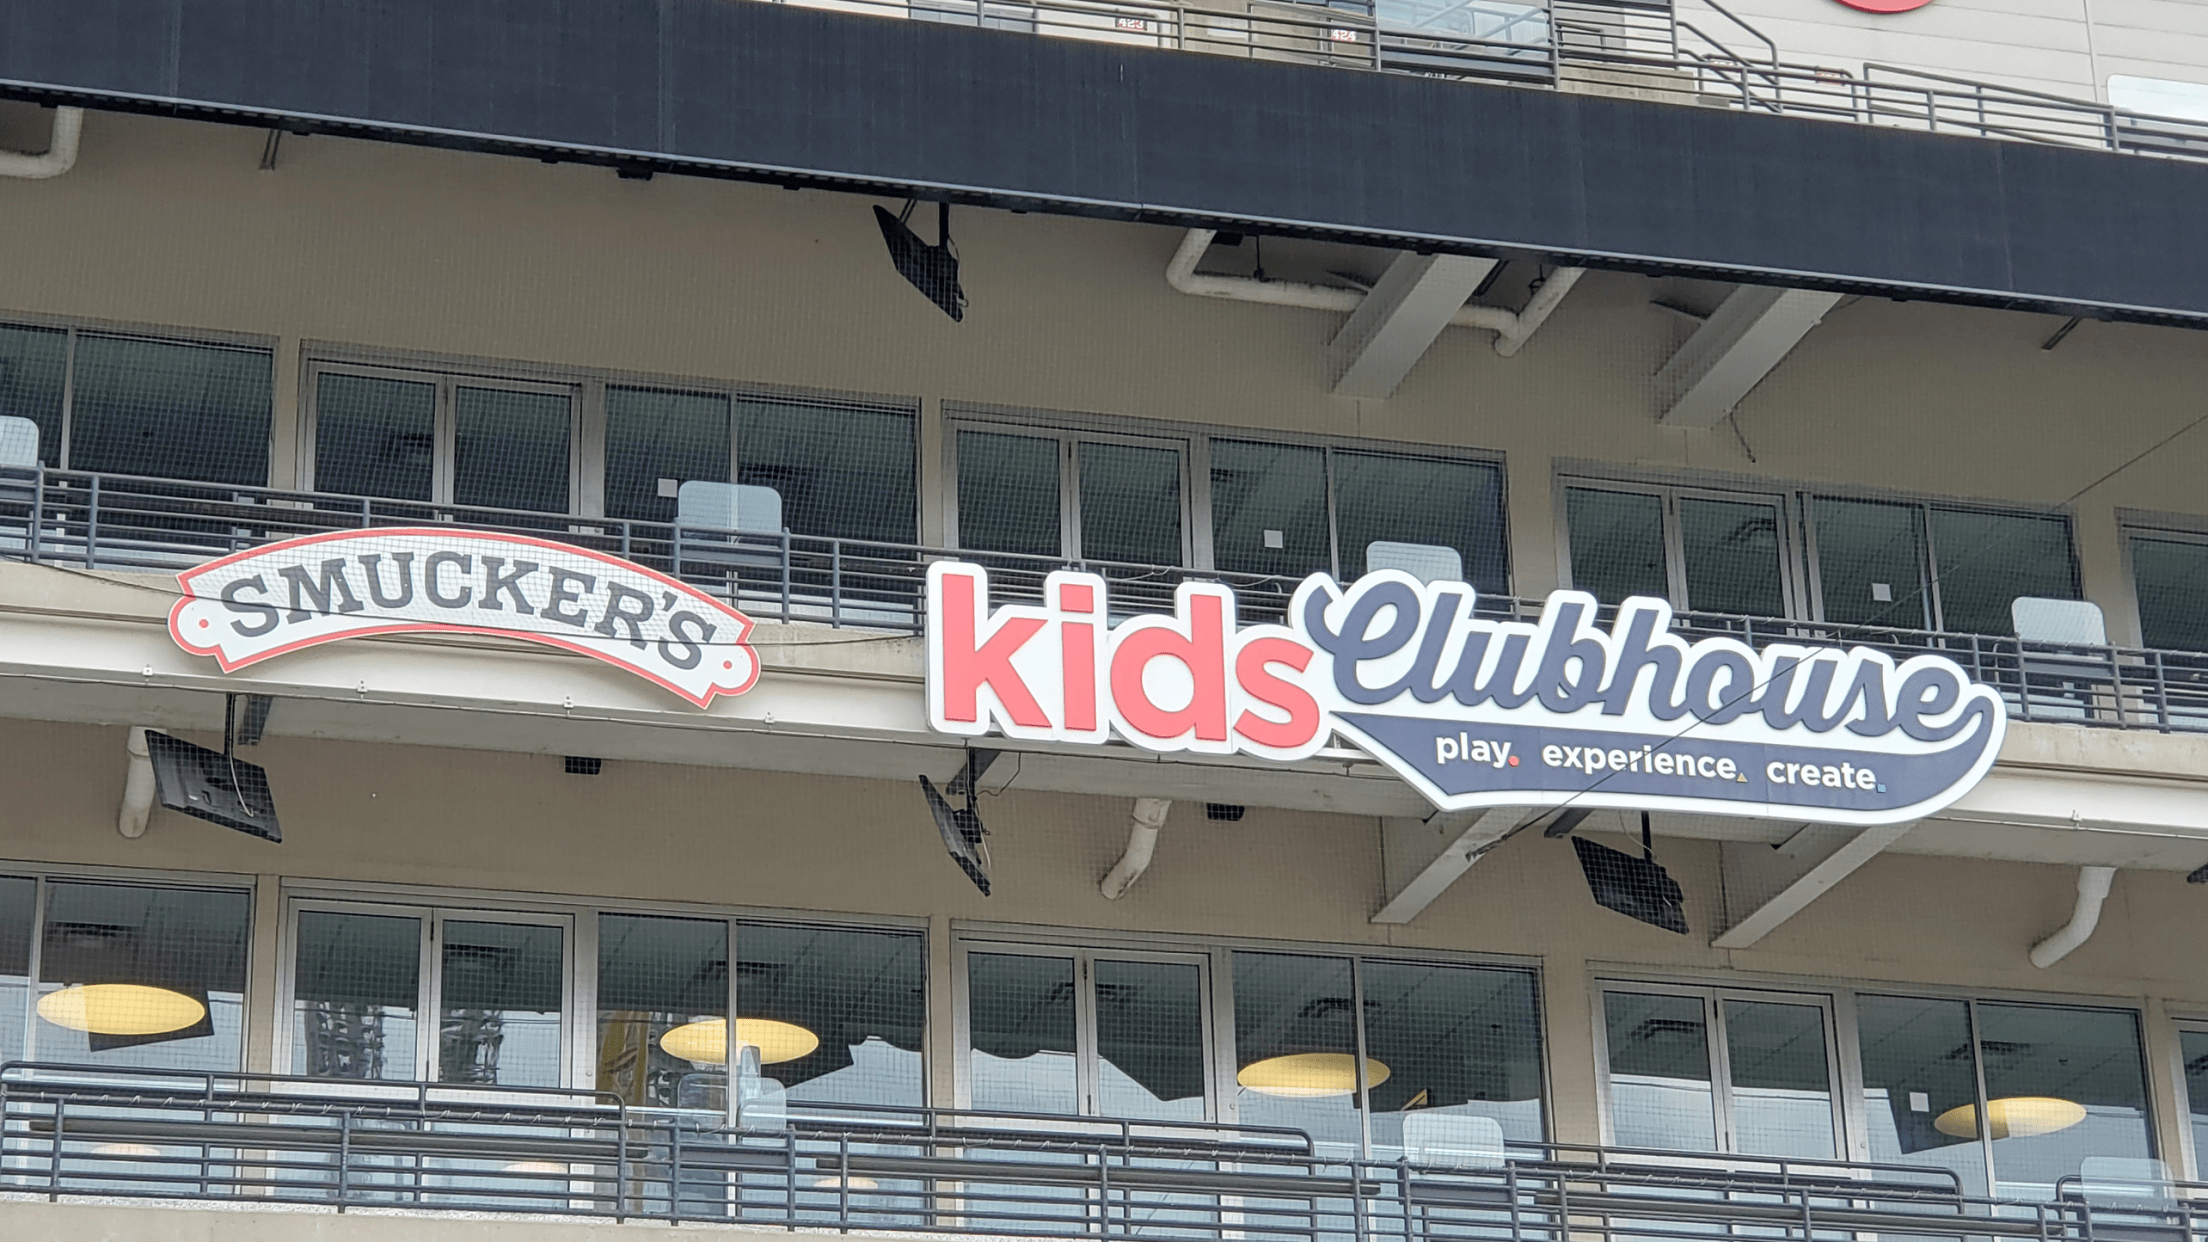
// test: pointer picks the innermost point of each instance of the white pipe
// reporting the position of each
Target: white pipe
(137, 787)
(2093, 885)
(60, 154)
(1511, 328)
(1142, 841)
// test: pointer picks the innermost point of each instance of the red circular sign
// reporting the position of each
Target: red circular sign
(1885, 6)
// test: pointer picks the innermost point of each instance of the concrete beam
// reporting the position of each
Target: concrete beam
(1765, 885)
(1420, 858)
(1742, 341)
(1391, 329)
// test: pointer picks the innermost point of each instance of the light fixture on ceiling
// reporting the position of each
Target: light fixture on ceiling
(705, 1042)
(1309, 1075)
(120, 1009)
(2016, 1116)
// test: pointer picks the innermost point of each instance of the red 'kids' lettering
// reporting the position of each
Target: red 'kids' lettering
(1258, 681)
(1077, 642)
(1203, 651)
(967, 667)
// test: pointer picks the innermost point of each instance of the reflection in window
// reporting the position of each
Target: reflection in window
(861, 993)
(1130, 503)
(1268, 509)
(1870, 562)
(169, 409)
(656, 976)
(501, 989)
(1149, 1040)
(1440, 502)
(2193, 1046)
(1617, 543)
(356, 995)
(1295, 1031)
(1917, 1068)
(32, 364)
(1023, 1033)
(1987, 560)
(1463, 1049)
(510, 449)
(843, 471)
(1701, 552)
(2063, 1086)
(18, 904)
(1008, 494)
(2171, 576)
(1661, 1094)
(1873, 567)
(375, 436)
(140, 976)
(1729, 554)
(658, 440)
(1779, 1080)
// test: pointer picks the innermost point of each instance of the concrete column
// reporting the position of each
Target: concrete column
(284, 426)
(261, 976)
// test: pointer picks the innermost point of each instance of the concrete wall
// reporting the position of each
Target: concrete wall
(406, 254)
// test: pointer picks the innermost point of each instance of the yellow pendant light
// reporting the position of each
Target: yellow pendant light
(705, 1042)
(2018, 1116)
(120, 1009)
(1310, 1075)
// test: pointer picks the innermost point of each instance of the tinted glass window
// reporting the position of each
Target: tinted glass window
(1130, 503)
(1023, 1033)
(1295, 1027)
(1268, 509)
(842, 471)
(1380, 497)
(170, 410)
(356, 996)
(861, 993)
(1870, 562)
(1661, 1094)
(1987, 560)
(658, 976)
(510, 449)
(140, 976)
(2066, 1095)
(32, 363)
(1918, 1067)
(1617, 543)
(1008, 494)
(655, 442)
(501, 988)
(2172, 580)
(375, 436)
(1463, 1051)
(18, 902)
(1780, 1079)
(1149, 1040)
(1731, 550)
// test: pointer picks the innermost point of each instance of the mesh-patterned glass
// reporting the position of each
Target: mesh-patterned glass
(511, 448)
(1131, 503)
(501, 990)
(843, 471)
(1462, 1046)
(1780, 1079)
(2171, 576)
(656, 440)
(1295, 1046)
(1150, 1060)
(375, 436)
(168, 409)
(18, 909)
(1617, 543)
(1987, 560)
(1661, 1091)
(1440, 502)
(357, 995)
(1919, 1067)
(1731, 554)
(861, 992)
(655, 976)
(33, 362)
(1008, 494)
(168, 966)
(2063, 1086)
(1268, 509)
(1022, 1015)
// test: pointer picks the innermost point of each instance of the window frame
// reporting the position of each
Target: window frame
(2167, 528)
(444, 424)
(1929, 569)
(1069, 441)
(1669, 494)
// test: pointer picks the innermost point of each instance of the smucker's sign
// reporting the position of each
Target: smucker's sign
(1473, 712)
(270, 600)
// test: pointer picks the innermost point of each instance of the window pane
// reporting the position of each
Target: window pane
(1917, 1068)
(1781, 1079)
(356, 996)
(171, 410)
(1660, 1093)
(1463, 1051)
(18, 897)
(181, 956)
(1008, 494)
(1130, 503)
(842, 471)
(861, 992)
(1870, 562)
(1020, 1018)
(374, 436)
(656, 975)
(1268, 509)
(1150, 1040)
(1732, 553)
(2172, 580)
(2065, 1088)
(1989, 559)
(499, 1007)
(510, 449)
(1295, 1032)
(1617, 543)
(2193, 1046)
(1441, 503)
(32, 361)
(653, 436)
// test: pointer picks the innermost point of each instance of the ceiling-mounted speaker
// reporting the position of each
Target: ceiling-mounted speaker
(210, 785)
(933, 270)
(1637, 888)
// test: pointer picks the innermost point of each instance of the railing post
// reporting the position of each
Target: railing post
(785, 540)
(53, 1168)
(92, 526)
(835, 584)
(36, 535)
(344, 1157)
(674, 553)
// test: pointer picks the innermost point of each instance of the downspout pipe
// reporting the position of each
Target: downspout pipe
(1511, 328)
(2093, 884)
(60, 154)
(137, 787)
(1142, 841)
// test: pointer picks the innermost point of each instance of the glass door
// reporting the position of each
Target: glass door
(1719, 1070)
(1091, 1033)
(501, 990)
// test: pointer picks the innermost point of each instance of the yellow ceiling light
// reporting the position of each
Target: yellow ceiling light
(1310, 1075)
(2018, 1116)
(705, 1042)
(120, 1009)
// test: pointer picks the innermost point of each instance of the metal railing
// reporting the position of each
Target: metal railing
(256, 1139)
(113, 522)
(1560, 43)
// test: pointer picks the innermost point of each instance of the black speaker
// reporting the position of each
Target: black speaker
(210, 785)
(1634, 887)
